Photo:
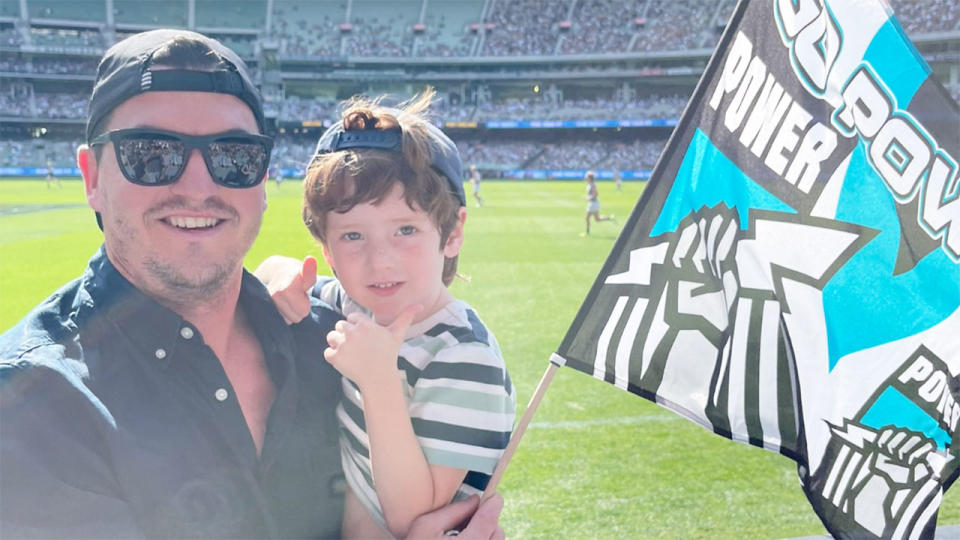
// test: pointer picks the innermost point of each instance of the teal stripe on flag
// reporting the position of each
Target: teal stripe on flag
(893, 408)
(725, 182)
(865, 304)
(896, 62)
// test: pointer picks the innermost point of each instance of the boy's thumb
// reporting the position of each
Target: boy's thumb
(403, 321)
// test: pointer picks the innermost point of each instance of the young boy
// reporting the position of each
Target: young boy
(428, 406)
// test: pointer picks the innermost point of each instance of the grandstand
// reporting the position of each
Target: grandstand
(523, 85)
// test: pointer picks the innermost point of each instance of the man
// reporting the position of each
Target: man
(161, 394)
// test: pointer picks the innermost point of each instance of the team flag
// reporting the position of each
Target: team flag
(790, 277)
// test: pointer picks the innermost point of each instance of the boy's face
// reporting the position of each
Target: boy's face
(388, 256)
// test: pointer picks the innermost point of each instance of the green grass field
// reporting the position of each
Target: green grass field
(596, 462)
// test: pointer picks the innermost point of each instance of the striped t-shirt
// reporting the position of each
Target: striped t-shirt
(459, 398)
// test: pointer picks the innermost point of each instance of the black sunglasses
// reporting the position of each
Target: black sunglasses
(153, 157)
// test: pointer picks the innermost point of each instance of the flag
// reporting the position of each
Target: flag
(789, 278)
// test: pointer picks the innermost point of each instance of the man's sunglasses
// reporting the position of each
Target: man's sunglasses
(153, 157)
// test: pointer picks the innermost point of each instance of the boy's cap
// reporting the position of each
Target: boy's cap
(124, 72)
(445, 158)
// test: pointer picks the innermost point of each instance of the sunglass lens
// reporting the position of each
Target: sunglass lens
(238, 163)
(151, 161)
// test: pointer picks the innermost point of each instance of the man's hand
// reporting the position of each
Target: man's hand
(289, 282)
(365, 352)
(484, 525)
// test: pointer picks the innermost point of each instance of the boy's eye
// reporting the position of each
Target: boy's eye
(406, 230)
(350, 236)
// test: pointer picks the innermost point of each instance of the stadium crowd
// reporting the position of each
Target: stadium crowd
(305, 28)
(510, 28)
(298, 109)
(491, 155)
(19, 101)
(641, 108)
(48, 64)
(37, 153)
(924, 16)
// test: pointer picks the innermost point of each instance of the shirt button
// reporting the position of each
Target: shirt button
(186, 332)
(221, 394)
(160, 354)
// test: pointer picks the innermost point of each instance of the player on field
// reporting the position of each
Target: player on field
(593, 202)
(475, 180)
(51, 178)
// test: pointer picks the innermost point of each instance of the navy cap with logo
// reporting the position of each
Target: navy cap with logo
(444, 157)
(125, 71)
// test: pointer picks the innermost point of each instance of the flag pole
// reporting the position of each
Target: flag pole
(556, 362)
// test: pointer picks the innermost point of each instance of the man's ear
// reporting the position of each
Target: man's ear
(451, 248)
(266, 176)
(87, 162)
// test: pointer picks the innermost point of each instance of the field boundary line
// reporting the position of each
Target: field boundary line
(626, 420)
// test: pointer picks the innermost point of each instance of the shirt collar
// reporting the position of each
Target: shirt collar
(121, 307)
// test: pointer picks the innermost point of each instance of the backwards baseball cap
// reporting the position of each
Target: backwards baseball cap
(125, 71)
(444, 157)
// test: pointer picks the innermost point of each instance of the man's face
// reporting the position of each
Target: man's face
(188, 238)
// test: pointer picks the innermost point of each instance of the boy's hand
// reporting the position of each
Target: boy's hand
(365, 352)
(484, 525)
(289, 282)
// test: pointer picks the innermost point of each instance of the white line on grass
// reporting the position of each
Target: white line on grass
(627, 420)
(560, 201)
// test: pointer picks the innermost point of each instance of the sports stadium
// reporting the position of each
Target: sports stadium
(529, 90)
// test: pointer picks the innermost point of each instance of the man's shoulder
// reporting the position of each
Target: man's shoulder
(46, 371)
(40, 336)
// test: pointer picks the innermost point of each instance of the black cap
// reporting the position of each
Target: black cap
(124, 72)
(444, 157)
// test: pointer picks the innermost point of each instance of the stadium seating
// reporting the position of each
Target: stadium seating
(73, 10)
(248, 14)
(54, 82)
(448, 29)
(524, 28)
(165, 13)
(308, 28)
(924, 16)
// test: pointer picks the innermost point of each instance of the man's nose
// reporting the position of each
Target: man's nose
(195, 180)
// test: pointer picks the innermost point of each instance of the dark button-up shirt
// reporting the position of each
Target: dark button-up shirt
(117, 421)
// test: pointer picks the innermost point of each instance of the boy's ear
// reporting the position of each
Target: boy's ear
(451, 248)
